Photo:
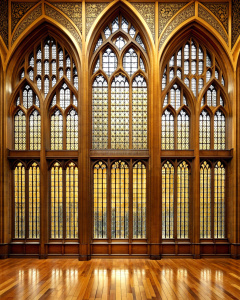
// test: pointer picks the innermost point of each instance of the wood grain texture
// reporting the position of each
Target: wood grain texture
(119, 279)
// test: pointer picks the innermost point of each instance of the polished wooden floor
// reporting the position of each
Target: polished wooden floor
(120, 279)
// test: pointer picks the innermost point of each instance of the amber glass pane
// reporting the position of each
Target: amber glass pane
(100, 113)
(119, 200)
(20, 130)
(183, 130)
(100, 200)
(167, 130)
(167, 200)
(139, 201)
(19, 201)
(182, 201)
(72, 130)
(139, 113)
(120, 113)
(35, 130)
(34, 201)
(56, 131)
(56, 202)
(205, 200)
(72, 201)
(204, 131)
(219, 131)
(219, 200)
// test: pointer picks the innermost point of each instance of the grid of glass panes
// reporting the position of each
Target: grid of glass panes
(219, 200)
(19, 201)
(183, 200)
(119, 200)
(183, 125)
(71, 201)
(56, 202)
(167, 200)
(204, 130)
(100, 113)
(35, 130)
(115, 134)
(139, 113)
(219, 131)
(34, 201)
(205, 200)
(56, 130)
(20, 130)
(167, 130)
(72, 130)
(100, 200)
(139, 200)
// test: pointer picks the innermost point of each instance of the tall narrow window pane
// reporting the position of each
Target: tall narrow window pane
(35, 130)
(109, 61)
(100, 201)
(56, 131)
(20, 130)
(56, 202)
(34, 201)
(205, 200)
(19, 201)
(204, 131)
(183, 201)
(64, 96)
(183, 130)
(167, 200)
(139, 113)
(100, 113)
(72, 201)
(219, 131)
(219, 200)
(119, 200)
(120, 113)
(130, 61)
(139, 201)
(72, 130)
(167, 130)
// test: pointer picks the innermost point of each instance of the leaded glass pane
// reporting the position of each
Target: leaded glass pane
(194, 86)
(171, 75)
(119, 200)
(140, 42)
(142, 66)
(139, 201)
(212, 96)
(183, 130)
(107, 32)
(39, 83)
(167, 200)
(130, 61)
(100, 200)
(120, 113)
(72, 201)
(219, 131)
(200, 84)
(120, 42)
(109, 61)
(179, 58)
(167, 130)
(35, 130)
(64, 96)
(19, 201)
(183, 201)
(132, 32)
(124, 24)
(175, 100)
(34, 201)
(27, 97)
(46, 87)
(204, 131)
(96, 68)
(56, 131)
(115, 25)
(72, 130)
(30, 74)
(99, 43)
(205, 200)
(100, 113)
(139, 113)
(20, 130)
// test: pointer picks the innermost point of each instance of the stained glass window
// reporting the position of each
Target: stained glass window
(167, 200)
(100, 200)
(130, 61)
(183, 130)
(120, 42)
(109, 63)
(204, 131)
(119, 200)
(27, 97)
(72, 130)
(35, 130)
(167, 130)
(20, 130)
(56, 130)
(19, 201)
(205, 200)
(219, 131)
(175, 97)
(139, 200)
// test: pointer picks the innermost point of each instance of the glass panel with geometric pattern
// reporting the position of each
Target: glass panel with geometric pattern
(19, 201)
(183, 200)
(20, 130)
(119, 200)
(139, 201)
(109, 63)
(139, 113)
(219, 131)
(34, 201)
(167, 200)
(120, 113)
(72, 201)
(56, 201)
(130, 61)
(219, 200)
(72, 130)
(204, 131)
(35, 130)
(167, 130)
(205, 200)
(183, 130)
(100, 200)
(56, 130)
